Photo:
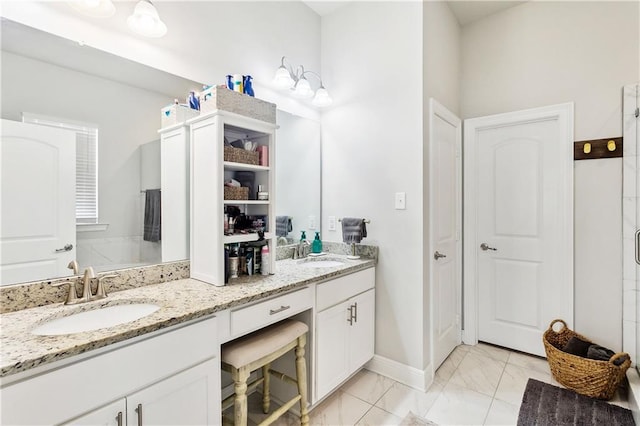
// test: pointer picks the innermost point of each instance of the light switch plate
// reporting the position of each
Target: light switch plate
(312, 222)
(332, 223)
(401, 200)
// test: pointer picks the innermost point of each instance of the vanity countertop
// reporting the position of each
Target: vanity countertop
(179, 301)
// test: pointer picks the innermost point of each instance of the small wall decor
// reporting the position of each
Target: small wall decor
(597, 148)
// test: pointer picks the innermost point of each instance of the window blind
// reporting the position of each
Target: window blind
(86, 163)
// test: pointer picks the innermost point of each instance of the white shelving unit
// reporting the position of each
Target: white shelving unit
(208, 173)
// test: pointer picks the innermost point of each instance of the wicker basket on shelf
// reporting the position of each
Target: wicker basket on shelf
(239, 155)
(590, 377)
(236, 193)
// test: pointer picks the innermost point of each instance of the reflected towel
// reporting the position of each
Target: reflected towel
(283, 226)
(152, 215)
(353, 230)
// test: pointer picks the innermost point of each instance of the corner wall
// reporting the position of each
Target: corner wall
(372, 147)
(543, 53)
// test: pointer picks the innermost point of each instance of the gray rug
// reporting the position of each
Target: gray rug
(413, 420)
(544, 404)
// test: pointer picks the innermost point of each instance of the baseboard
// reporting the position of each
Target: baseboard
(410, 376)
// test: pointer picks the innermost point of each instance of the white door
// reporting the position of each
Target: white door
(519, 224)
(37, 227)
(445, 189)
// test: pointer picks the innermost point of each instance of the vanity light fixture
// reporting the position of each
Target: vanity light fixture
(94, 8)
(146, 21)
(296, 81)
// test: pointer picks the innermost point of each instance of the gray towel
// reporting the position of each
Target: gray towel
(353, 230)
(283, 226)
(152, 215)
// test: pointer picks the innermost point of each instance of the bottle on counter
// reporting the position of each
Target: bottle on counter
(316, 245)
(264, 261)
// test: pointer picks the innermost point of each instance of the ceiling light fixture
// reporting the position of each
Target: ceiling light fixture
(146, 21)
(94, 8)
(286, 78)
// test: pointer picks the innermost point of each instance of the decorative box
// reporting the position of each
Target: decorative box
(176, 114)
(239, 155)
(219, 97)
(236, 193)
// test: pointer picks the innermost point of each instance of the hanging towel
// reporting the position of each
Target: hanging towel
(283, 226)
(353, 230)
(152, 215)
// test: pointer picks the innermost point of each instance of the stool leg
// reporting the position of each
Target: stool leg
(240, 377)
(266, 396)
(301, 377)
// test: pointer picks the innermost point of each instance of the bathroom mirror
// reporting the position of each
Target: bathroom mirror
(54, 77)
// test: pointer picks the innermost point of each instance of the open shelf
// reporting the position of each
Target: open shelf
(244, 238)
(231, 166)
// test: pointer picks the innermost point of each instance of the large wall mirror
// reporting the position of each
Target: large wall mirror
(55, 80)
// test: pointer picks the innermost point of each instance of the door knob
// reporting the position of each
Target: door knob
(485, 247)
(438, 255)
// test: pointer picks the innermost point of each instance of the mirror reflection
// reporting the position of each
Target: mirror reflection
(86, 92)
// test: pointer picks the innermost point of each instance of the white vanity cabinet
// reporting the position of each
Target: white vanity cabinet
(170, 377)
(209, 171)
(345, 329)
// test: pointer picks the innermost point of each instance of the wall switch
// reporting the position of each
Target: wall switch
(312, 222)
(401, 200)
(332, 223)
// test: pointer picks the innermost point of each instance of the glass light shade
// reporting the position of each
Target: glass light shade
(322, 98)
(283, 79)
(145, 20)
(302, 89)
(94, 8)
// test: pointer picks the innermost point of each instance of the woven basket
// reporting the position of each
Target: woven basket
(238, 155)
(590, 377)
(236, 193)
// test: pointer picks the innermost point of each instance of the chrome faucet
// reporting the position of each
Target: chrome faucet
(86, 280)
(302, 249)
(89, 274)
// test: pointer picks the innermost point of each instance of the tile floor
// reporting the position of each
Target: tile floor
(476, 385)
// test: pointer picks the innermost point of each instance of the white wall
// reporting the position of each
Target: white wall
(372, 148)
(442, 82)
(542, 53)
(205, 41)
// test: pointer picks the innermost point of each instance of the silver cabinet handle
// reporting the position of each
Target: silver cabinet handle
(485, 247)
(275, 311)
(638, 246)
(139, 411)
(437, 255)
(355, 309)
(350, 318)
(67, 247)
(119, 418)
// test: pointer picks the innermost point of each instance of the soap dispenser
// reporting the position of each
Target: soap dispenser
(303, 236)
(316, 246)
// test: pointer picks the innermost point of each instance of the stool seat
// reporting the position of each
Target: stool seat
(258, 350)
(255, 346)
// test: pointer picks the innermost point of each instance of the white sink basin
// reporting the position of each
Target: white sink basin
(108, 316)
(322, 264)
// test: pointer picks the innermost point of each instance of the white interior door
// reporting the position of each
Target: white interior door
(519, 224)
(445, 177)
(38, 202)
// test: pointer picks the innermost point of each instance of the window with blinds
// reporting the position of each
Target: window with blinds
(86, 163)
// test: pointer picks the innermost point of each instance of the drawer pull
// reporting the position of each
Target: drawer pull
(276, 311)
(119, 418)
(354, 312)
(350, 318)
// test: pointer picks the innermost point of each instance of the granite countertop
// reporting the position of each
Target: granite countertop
(179, 301)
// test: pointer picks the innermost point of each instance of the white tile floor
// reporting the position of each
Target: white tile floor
(476, 385)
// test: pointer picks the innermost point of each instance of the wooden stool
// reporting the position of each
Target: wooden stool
(257, 350)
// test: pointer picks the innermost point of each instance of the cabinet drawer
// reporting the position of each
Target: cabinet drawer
(335, 291)
(245, 320)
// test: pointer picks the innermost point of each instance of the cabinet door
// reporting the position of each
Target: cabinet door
(362, 332)
(188, 398)
(109, 415)
(332, 348)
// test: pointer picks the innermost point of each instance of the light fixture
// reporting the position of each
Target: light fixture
(94, 8)
(286, 78)
(145, 20)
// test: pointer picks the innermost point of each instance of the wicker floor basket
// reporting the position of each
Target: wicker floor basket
(597, 379)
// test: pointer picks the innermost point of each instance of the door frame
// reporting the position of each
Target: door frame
(439, 110)
(562, 112)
